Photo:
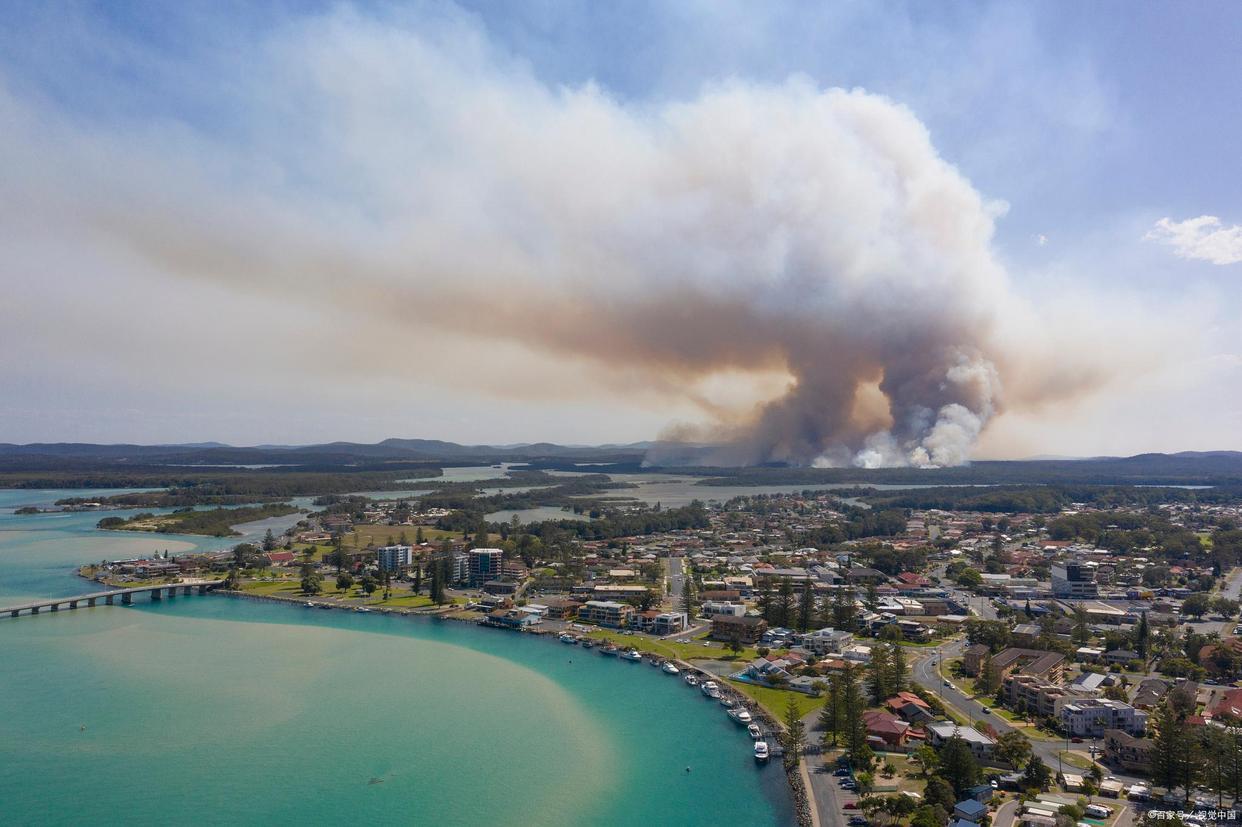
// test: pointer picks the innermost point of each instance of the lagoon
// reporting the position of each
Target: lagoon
(220, 710)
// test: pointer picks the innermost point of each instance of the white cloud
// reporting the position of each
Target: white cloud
(1203, 238)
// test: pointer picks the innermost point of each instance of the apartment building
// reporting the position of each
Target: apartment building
(606, 613)
(1092, 717)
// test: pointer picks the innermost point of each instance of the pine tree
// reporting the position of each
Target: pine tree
(830, 716)
(689, 604)
(782, 611)
(806, 607)
(843, 610)
(958, 765)
(764, 602)
(418, 577)
(1142, 636)
(985, 683)
(898, 673)
(1081, 632)
(1176, 753)
(795, 732)
(853, 704)
(879, 671)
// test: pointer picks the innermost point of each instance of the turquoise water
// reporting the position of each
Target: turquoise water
(39, 553)
(218, 710)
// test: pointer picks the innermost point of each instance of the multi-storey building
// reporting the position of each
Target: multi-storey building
(485, 564)
(1074, 579)
(1091, 717)
(606, 613)
(394, 558)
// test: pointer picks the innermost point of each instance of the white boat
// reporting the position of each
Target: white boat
(761, 751)
(309, 605)
(670, 668)
(755, 731)
(691, 679)
(568, 638)
(609, 650)
(632, 654)
(711, 690)
(362, 609)
(727, 702)
(740, 714)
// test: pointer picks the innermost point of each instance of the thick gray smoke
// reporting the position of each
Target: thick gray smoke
(756, 235)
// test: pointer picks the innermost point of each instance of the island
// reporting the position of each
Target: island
(218, 522)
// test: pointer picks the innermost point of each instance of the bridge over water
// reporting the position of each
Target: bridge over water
(157, 592)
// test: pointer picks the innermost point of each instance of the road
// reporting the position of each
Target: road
(676, 578)
(925, 674)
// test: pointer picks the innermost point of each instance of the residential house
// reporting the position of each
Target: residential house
(970, 810)
(981, 745)
(561, 608)
(1034, 662)
(823, 641)
(1121, 749)
(885, 730)
(910, 707)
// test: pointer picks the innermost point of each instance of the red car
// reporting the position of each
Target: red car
(1076, 740)
(850, 805)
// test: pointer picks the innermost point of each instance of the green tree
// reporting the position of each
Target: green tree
(689, 604)
(843, 609)
(344, 580)
(369, 584)
(782, 609)
(418, 577)
(1037, 775)
(1176, 753)
(985, 683)
(853, 705)
(795, 733)
(1081, 633)
(898, 673)
(1196, 605)
(958, 765)
(928, 759)
(940, 793)
(879, 671)
(1142, 636)
(311, 580)
(806, 607)
(1013, 748)
(831, 715)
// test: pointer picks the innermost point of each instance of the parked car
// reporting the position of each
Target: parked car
(858, 821)
(987, 711)
(850, 805)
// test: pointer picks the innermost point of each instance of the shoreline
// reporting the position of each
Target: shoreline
(800, 800)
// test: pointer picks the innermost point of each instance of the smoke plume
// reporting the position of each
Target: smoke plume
(788, 234)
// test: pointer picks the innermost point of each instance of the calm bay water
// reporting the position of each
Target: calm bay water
(218, 710)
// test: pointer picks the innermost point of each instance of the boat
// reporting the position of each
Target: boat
(740, 714)
(568, 638)
(362, 609)
(632, 654)
(691, 679)
(755, 731)
(588, 644)
(654, 661)
(710, 689)
(610, 650)
(670, 668)
(727, 702)
(761, 751)
(309, 604)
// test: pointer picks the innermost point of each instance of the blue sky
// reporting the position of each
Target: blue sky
(1083, 126)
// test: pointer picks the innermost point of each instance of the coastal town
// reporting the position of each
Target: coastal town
(940, 666)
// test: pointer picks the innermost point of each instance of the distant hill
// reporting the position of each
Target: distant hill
(1182, 468)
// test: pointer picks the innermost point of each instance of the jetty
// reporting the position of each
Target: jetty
(126, 596)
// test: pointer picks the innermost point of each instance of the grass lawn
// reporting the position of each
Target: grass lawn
(366, 535)
(672, 649)
(1082, 762)
(775, 700)
(292, 587)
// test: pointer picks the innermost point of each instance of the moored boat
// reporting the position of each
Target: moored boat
(740, 714)
(632, 654)
(691, 679)
(670, 668)
(710, 689)
(568, 638)
(587, 644)
(761, 751)
(755, 731)
(610, 650)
